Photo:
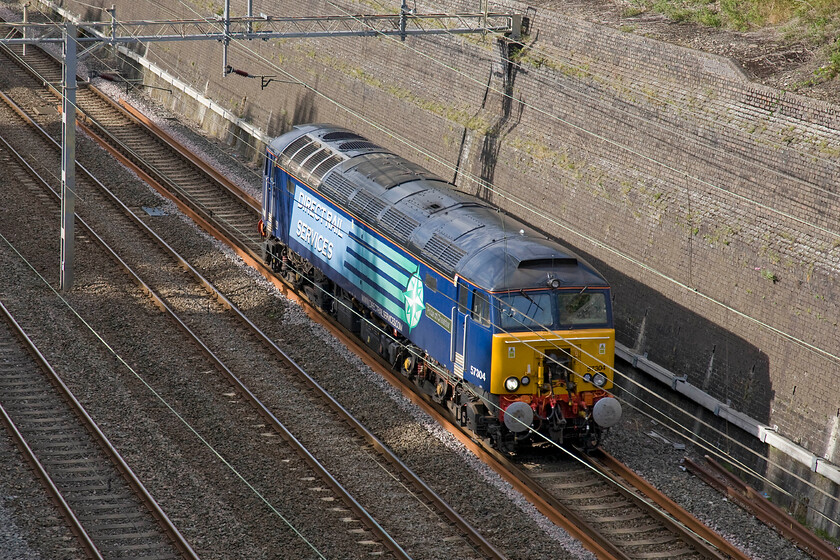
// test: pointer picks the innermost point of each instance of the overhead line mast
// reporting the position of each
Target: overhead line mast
(223, 29)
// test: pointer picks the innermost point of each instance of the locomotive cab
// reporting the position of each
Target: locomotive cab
(551, 341)
(552, 355)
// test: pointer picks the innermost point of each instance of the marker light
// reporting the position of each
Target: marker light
(525, 381)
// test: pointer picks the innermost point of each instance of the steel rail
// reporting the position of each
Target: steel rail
(552, 508)
(209, 224)
(747, 497)
(544, 502)
(427, 491)
(66, 511)
(128, 474)
(161, 183)
(304, 453)
(677, 519)
(131, 159)
(453, 516)
(154, 129)
(547, 504)
(52, 490)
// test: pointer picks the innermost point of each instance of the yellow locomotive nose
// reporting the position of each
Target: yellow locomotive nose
(558, 361)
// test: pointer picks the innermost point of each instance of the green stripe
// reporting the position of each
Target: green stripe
(372, 277)
(381, 247)
(376, 296)
(400, 279)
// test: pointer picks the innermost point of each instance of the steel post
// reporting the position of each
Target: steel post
(68, 158)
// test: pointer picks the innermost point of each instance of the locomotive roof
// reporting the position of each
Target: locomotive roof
(455, 232)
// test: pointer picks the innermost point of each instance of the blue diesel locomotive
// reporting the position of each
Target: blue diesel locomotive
(511, 331)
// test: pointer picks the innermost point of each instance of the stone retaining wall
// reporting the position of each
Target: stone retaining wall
(711, 203)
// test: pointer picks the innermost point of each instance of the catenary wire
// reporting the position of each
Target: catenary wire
(407, 143)
(160, 398)
(602, 137)
(318, 92)
(664, 418)
(529, 208)
(683, 430)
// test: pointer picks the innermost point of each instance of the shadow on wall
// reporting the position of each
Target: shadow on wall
(504, 124)
(304, 109)
(718, 361)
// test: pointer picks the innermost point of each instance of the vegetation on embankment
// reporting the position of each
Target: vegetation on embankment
(813, 23)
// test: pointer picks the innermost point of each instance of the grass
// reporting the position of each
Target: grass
(815, 18)
(814, 23)
(769, 275)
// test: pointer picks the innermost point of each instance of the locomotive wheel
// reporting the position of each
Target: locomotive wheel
(507, 442)
(408, 365)
(591, 442)
(441, 390)
(274, 256)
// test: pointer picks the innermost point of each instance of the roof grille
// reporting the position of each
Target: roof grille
(305, 152)
(326, 165)
(296, 145)
(361, 145)
(338, 188)
(312, 162)
(398, 224)
(444, 251)
(366, 206)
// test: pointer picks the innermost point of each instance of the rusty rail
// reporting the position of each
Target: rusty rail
(747, 497)
(140, 490)
(481, 543)
(694, 525)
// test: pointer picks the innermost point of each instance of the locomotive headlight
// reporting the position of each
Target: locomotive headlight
(599, 380)
(511, 384)
(525, 381)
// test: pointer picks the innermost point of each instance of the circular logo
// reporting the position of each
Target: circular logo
(414, 301)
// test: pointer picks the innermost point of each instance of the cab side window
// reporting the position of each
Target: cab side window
(463, 292)
(481, 308)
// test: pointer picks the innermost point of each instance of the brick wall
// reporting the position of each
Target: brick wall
(711, 203)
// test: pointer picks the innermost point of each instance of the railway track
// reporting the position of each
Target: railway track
(584, 493)
(633, 518)
(138, 143)
(254, 349)
(625, 528)
(106, 506)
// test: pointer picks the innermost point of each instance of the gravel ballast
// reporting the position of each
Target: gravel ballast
(478, 494)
